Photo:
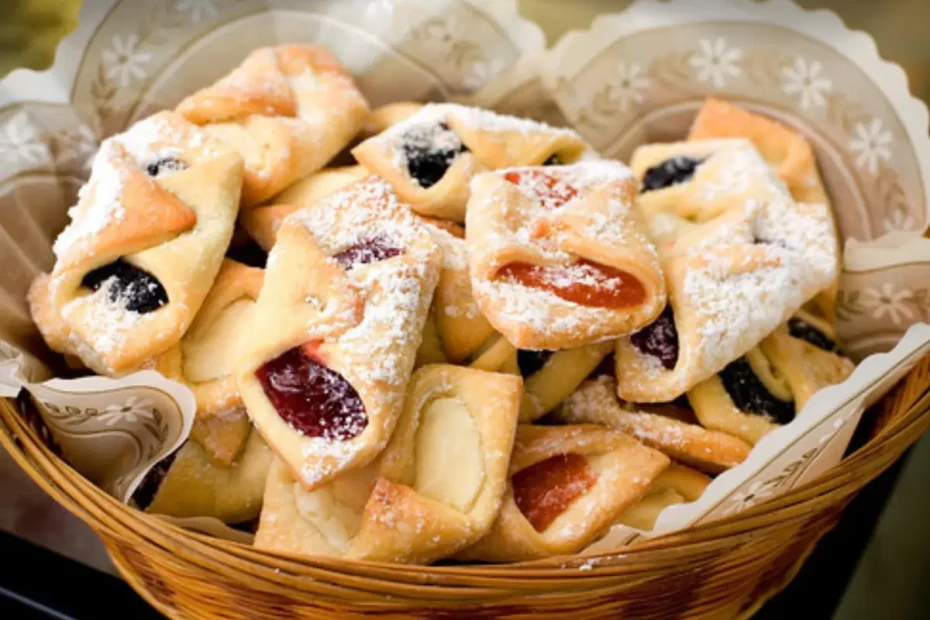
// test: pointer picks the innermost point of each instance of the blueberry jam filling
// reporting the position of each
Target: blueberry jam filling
(430, 152)
(554, 160)
(659, 339)
(365, 252)
(806, 331)
(530, 362)
(139, 291)
(750, 395)
(145, 492)
(670, 172)
(165, 166)
(314, 400)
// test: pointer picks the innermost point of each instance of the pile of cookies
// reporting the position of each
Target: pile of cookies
(480, 341)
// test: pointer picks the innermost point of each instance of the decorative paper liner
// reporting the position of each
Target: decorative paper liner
(632, 78)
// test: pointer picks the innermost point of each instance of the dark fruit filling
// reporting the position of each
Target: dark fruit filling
(145, 492)
(659, 339)
(430, 152)
(545, 490)
(313, 400)
(165, 166)
(670, 172)
(806, 331)
(750, 395)
(137, 290)
(371, 250)
(554, 160)
(530, 362)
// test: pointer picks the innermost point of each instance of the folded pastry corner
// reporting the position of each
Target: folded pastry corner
(196, 485)
(444, 472)
(568, 484)
(739, 256)
(287, 109)
(388, 115)
(676, 485)
(431, 156)
(768, 386)
(671, 428)
(336, 329)
(559, 256)
(262, 221)
(786, 150)
(145, 242)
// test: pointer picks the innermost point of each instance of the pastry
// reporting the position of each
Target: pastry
(145, 242)
(430, 157)
(496, 355)
(460, 326)
(196, 486)
(739, 255)
(568, 484)
(319, 522)
(336, 330)
(388, 115)
(444, 472)
(671, 428)
(262, 222)
(549, 377)
(786, 150)
(206, 357)
(559, 257)
(287, 110)
(676, 485)
(768, 386)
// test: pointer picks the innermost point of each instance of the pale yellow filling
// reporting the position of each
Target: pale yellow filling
(449, 464)
(213, 352)
(335, 510)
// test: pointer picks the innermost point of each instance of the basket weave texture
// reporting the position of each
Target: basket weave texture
(725, 569)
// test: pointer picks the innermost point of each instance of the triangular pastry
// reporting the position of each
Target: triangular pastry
(195, 485)
(336, 329)
(431, 156)
(676, 485)
(786, 150)
(559, 256)
(739, 255)
(568, 484)
(670, 428)
(388, 115)
(443, 475)
(768, 386)
(287, 109)
(145, 242)
(262, 222)
(205, 358)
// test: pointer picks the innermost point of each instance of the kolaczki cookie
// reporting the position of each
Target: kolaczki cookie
(482, 342)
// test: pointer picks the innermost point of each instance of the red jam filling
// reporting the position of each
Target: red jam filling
(371, 250)
(545, 490)
(549, 190)
(584, 283)
(313, 400)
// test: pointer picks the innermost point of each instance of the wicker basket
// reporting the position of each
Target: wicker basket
(726, 569)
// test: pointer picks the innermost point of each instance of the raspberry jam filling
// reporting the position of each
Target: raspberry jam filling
(545, 490)
(313, 400)
(552, 192)
(670, 172)
(659, 339)
(750, 395)
(584, 283)
(531, 362)
(371, 250)
(135, 289)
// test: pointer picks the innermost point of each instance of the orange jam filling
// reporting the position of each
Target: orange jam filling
(545, 490)
(585, 283)
(552, 192)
